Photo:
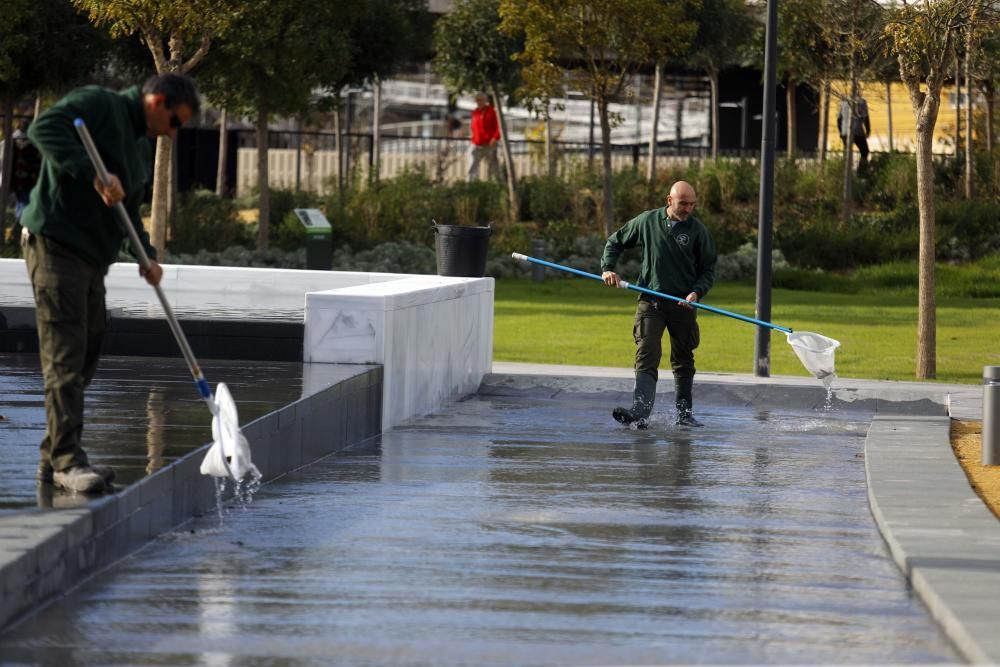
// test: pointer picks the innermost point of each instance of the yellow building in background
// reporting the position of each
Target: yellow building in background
(904, 138)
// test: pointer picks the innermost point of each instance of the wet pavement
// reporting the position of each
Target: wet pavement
(140, 414)
(514, 530)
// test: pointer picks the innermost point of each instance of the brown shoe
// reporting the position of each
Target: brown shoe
(81, 479)
(44, 476)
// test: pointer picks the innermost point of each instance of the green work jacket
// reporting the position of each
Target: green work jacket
(676, 260)
(64, 205)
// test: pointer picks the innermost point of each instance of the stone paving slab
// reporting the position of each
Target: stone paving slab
(938, 530)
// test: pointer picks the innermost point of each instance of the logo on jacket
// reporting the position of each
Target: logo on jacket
(683, 239)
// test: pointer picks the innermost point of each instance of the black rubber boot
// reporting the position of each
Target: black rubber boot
(643, 398)
(683, 401)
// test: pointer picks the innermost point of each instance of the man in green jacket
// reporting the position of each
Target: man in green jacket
(72, 235)
(678, 258)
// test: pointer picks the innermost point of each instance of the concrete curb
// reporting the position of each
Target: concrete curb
(938, 530)
(44, 553)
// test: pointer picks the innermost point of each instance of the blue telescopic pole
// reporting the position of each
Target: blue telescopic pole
(625, 285)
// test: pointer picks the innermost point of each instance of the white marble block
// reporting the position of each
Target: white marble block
(433, 336)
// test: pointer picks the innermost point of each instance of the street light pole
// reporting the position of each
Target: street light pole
(762, 351)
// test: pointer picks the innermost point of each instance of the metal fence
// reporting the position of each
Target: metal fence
(310, 161)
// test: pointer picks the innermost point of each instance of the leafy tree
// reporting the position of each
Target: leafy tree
(383, 36)
(178, 35)
(805, 53)
(274, 54)
(923, 39)
(725, 32)
(600, 45)
(473, 54)
(44, 46)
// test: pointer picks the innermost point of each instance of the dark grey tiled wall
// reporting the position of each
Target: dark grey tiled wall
(43, 553)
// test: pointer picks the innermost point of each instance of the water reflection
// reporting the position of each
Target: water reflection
(155, 420)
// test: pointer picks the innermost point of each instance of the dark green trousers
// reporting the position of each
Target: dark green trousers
(651, 320)
(71, 319)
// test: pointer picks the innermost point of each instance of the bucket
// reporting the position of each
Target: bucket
(461, 251)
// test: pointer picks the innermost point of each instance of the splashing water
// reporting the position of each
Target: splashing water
(220, 490)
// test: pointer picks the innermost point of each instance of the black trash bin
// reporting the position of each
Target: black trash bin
(461, 250)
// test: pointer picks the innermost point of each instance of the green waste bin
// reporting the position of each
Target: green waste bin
(319, 251)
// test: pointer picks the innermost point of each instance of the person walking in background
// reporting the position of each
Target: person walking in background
(27, 163)
(71, 236)
(485, 133)
(678, 258)
(858, 131)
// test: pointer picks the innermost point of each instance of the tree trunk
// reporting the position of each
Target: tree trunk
(264, 203)
(6, 163)
(339, 134)
(848, 148)
(888, 111)
(926, 304)
(376, 130)
(507, 158)
(161, 195)
(790, 110)
(609, 200)
(825, 124)
(969, 185)
(550, 156)
(990, 101)
(654, 130)
(220, 172)
(713, 87)
(958, 105)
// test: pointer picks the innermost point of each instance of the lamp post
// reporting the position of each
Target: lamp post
(762, 350)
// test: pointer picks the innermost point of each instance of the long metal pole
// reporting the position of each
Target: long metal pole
(762, 351)
(644, 290)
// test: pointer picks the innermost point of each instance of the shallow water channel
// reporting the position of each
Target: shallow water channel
(519, 531)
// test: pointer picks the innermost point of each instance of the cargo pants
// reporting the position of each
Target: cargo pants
(71, 318)
(652, 318)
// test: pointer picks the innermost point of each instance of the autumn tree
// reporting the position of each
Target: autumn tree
(599, 45)
(178, 34)
(923, 39)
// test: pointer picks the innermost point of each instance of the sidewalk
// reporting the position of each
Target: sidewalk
(939, 532)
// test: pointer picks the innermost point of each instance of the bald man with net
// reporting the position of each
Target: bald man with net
(678, 258)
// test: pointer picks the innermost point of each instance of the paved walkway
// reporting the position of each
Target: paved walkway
(938, 530)
(523, 528)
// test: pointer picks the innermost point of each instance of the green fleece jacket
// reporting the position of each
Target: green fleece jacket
(64, 205)
(675, 261)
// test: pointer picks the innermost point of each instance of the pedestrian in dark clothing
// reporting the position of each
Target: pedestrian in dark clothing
(27, 163)
(859, 130)
(71, 236)
(678, 258)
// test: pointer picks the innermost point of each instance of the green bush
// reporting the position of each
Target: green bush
(967, 229)
(742, 264)
(544, 198)
(204, 221)
(894, 180)
(400, 257)
(282, 202)
(478, 203)
(829, 244)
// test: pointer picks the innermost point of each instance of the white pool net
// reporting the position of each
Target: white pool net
(816, 352)
(230, 446)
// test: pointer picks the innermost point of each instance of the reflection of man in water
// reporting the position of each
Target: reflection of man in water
(485, 130)
(860, 129)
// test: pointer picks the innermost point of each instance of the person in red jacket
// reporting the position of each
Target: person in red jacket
(485, 135)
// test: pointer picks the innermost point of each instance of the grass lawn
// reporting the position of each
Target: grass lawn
(579, 321)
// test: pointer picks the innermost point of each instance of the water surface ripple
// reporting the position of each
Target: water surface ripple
(514, 531)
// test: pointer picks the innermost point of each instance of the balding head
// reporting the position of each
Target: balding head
(681, 201)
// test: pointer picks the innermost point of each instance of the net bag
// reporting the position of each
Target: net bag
(229, 454)
(816, 352)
